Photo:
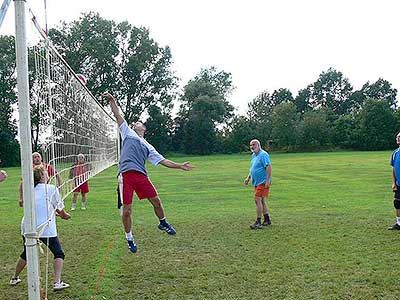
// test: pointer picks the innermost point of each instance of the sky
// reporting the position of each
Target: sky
(264, 44)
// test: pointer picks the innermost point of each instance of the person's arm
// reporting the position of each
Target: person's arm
(171, 164)
(269, 174)
(247, 180)
(394, 185)
(114, 108)
(59, 179)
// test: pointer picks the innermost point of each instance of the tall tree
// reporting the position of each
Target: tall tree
(159, 128)
(204, 107)
(259, 113)
(9, 147)
(331, 90)
(377, 124)
(281, 95)
(284, 121)
(120, 58)
(381, 90)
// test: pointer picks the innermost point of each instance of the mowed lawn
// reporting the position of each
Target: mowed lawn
(329, 238)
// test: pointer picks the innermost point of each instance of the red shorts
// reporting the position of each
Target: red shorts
(261, 191)
(133, 181)
(83, 188)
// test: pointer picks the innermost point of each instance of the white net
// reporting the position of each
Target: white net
(70, 122)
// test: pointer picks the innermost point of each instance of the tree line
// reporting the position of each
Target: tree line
(127, 62)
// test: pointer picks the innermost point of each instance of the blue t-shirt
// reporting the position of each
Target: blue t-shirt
(395, 163)
(135, 151)
(258, 164)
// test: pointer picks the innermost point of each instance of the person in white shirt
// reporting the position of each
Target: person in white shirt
(48, 203)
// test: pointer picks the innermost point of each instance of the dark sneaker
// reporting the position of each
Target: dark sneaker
(256, 225)
(266, 223)
(132, 246)
(168, 229)
(394, 227)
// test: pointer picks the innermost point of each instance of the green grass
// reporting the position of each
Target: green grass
(329, 238)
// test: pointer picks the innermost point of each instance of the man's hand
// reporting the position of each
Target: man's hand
(186, 166)
(108, 96)
(268, 184)
(394, 186)
(247, 180)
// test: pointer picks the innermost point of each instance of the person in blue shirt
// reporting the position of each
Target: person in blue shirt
(395, 163)
(261, 178)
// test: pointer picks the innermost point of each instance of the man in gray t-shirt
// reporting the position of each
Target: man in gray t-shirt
(132, 174)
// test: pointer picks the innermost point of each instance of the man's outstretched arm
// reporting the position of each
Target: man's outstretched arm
(114, 108)
(171, 164)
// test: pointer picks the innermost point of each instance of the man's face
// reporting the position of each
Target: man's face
(398, 139)
(139, 128)
(254, 147)
(37, 159)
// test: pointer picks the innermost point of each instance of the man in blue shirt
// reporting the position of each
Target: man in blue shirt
(261, 178)
(395, 163)
(132, 173)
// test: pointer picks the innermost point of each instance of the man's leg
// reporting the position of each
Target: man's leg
(58, 265)
(267, 219)
(396, 203)
(259, 210)
(21, 263)
(74, 200)
(83, 200)
(158, 207)
(126, 217)
(159, 211)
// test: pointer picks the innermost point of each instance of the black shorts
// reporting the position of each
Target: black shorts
(54, 246)
(397, 193)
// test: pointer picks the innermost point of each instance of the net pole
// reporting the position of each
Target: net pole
(26, 151)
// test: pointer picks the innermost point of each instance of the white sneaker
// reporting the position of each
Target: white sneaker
(83, 207)
(73, 207)
(58, 286)
(15, 280)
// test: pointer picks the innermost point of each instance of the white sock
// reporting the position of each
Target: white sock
(398, 220)
(74, 205)
(129, 236)
(83, 204)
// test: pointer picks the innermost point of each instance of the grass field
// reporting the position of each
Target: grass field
(329, 238)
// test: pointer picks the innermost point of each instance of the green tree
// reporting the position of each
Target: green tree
(377, 124)
(259, 113)
(302, 100)
(281, 95)
(158, 129)
(204, 107)
(284, 121)
(332, 90)
(239, 133)
(315, 130)
(91, 46)
(9, 147)
(381, 90)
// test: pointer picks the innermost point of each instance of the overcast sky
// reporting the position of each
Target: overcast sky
(264, 44)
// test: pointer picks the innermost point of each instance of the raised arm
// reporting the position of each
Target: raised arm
(114, 108)
(171, 164)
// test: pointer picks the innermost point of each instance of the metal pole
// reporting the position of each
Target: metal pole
(26, 151)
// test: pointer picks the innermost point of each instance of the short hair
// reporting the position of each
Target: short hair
(257, 141)
(37, 153)
(80, 155)
(38, 173)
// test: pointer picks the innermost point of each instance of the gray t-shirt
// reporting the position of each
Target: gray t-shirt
(134, 152)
